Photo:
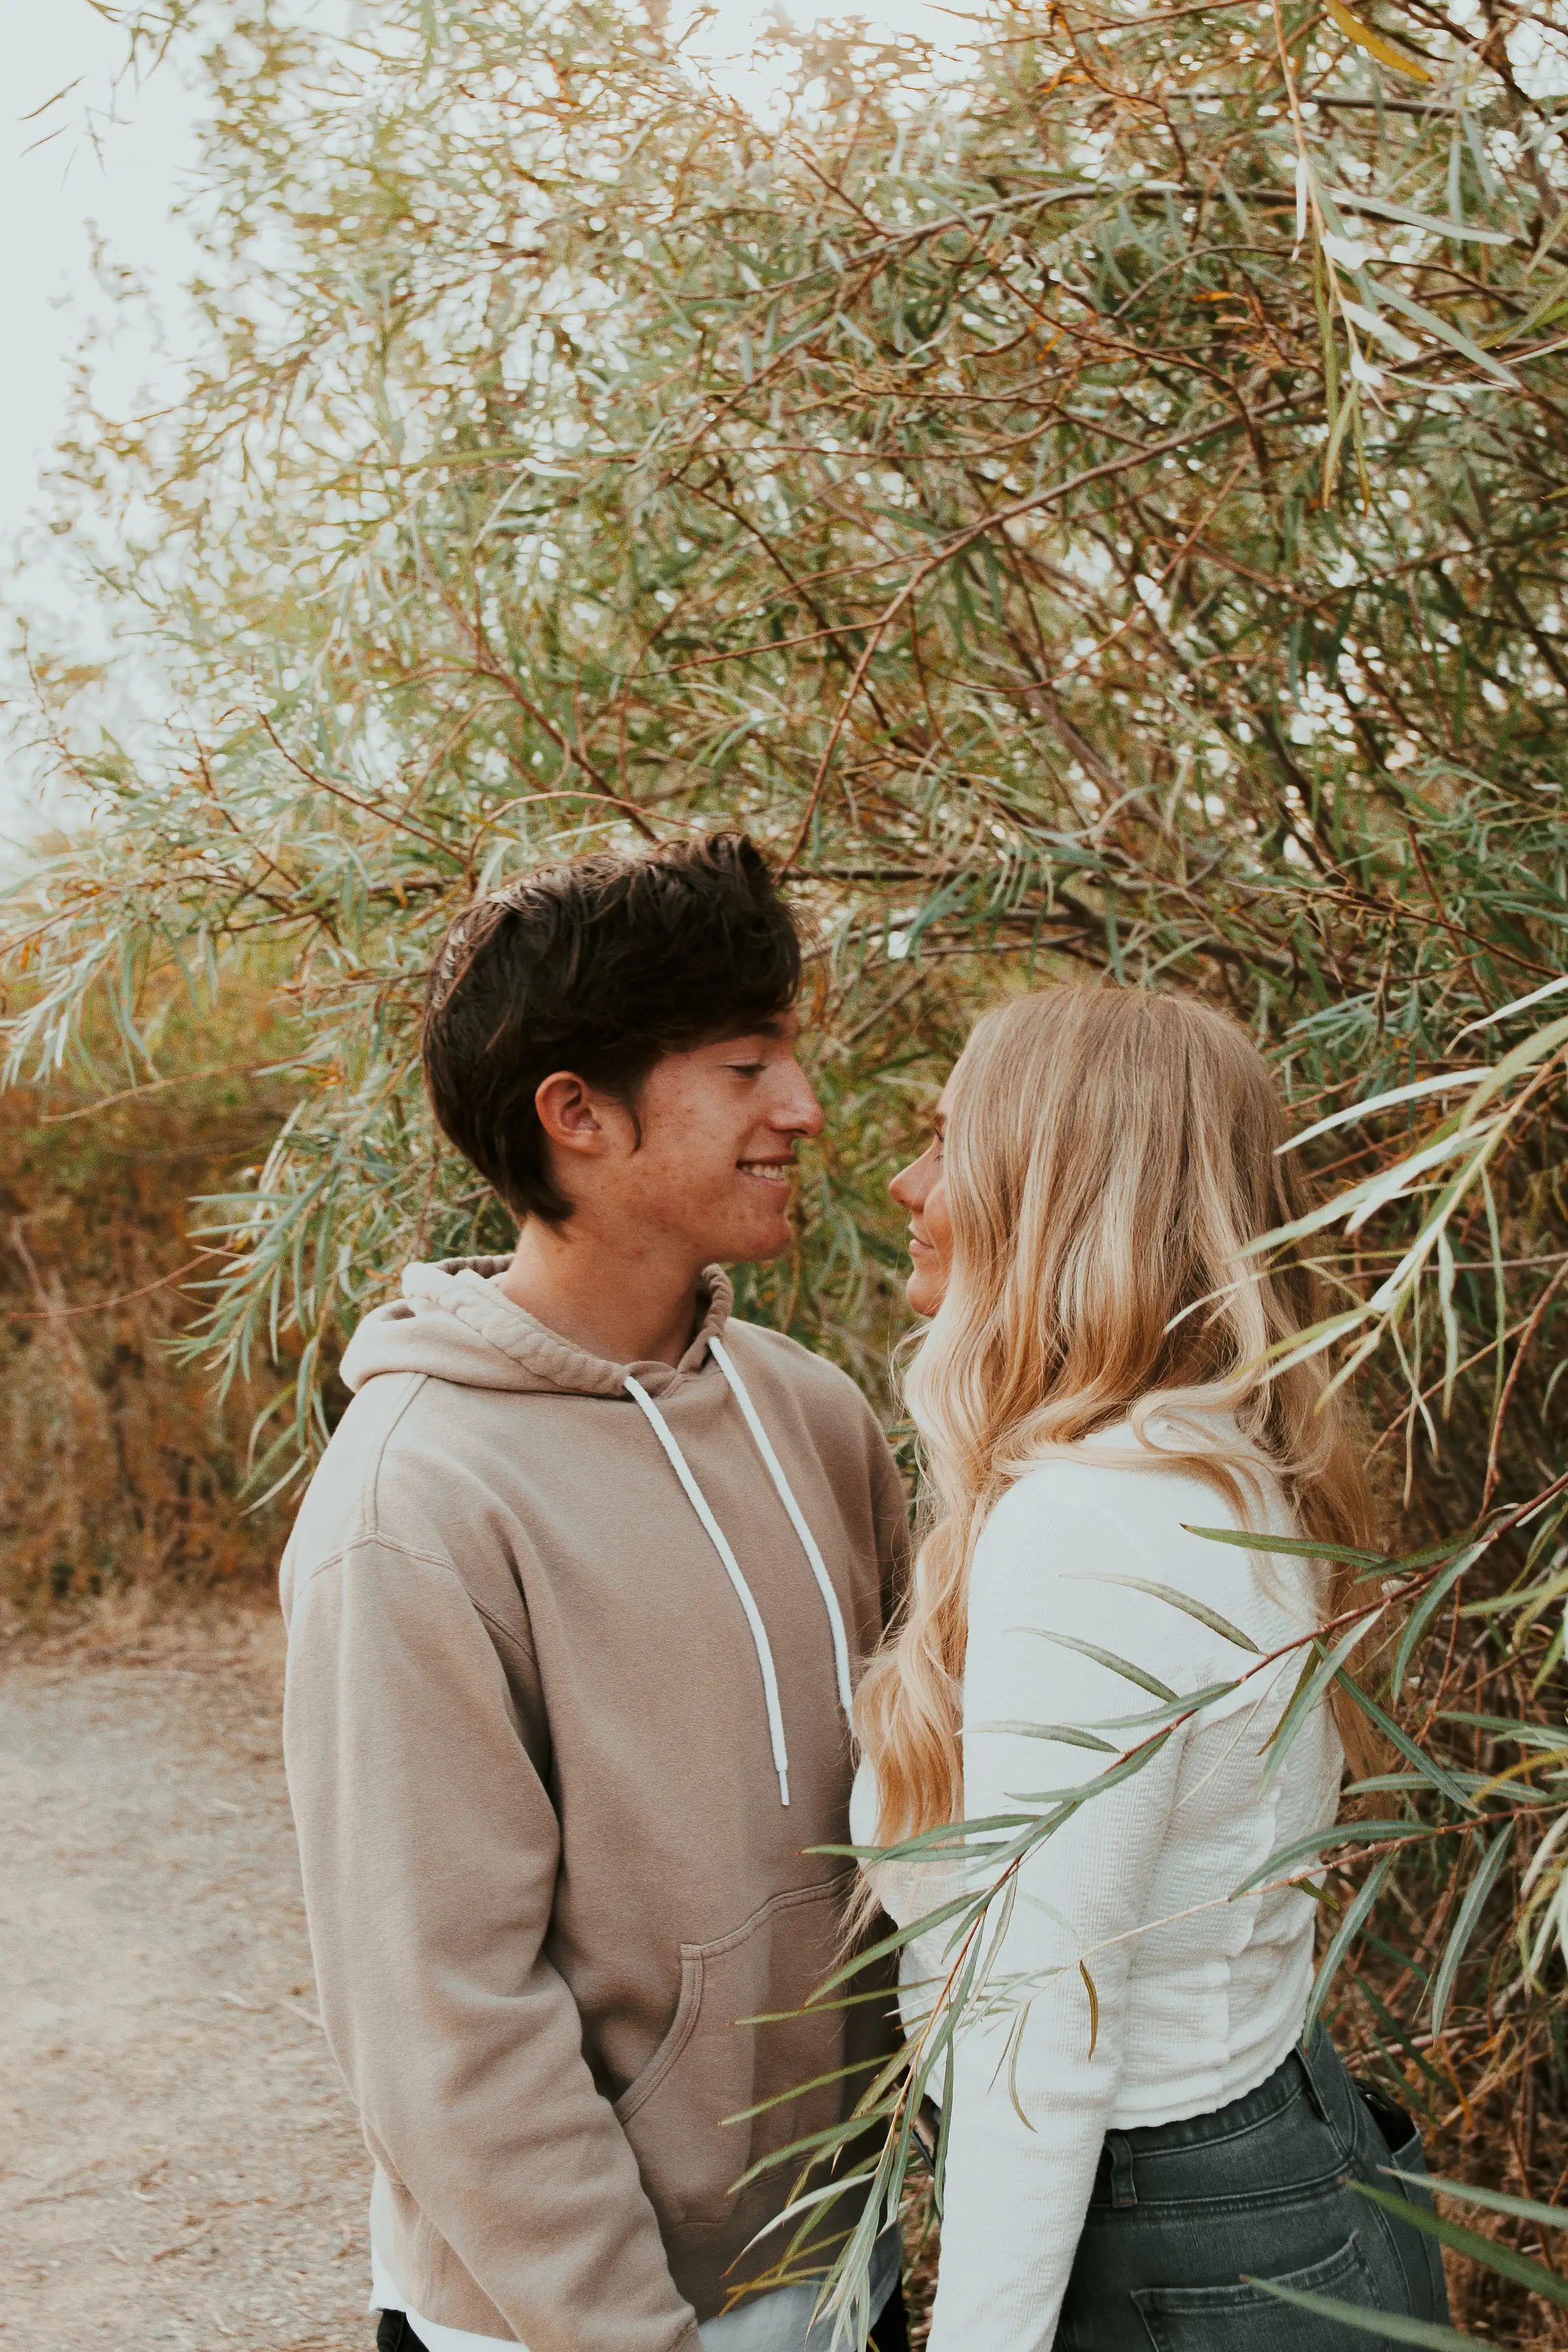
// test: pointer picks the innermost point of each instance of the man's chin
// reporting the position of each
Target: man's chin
(753, 1245)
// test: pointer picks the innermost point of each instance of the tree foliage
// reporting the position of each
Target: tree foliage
(1098, 507)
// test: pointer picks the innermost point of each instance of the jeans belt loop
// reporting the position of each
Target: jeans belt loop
(1326, 2084)
(1124, 2189)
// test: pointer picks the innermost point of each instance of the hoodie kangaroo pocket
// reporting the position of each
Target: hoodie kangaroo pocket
(685, 2115)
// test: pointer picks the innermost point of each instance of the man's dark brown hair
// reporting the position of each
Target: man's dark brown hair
(597, 967)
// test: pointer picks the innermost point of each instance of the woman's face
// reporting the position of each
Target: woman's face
(921, 1189)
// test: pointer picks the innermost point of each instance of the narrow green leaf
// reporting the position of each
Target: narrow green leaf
(1106, 1658)
(1183, 1601)
(1066, 1734)
(1496, 2200)
(1503, 2260)
(886, 1945)
(1454, 337)
(1393, 1183)
(1430, 1772)
(1184, 1703)
(1280, 1863)
(796, 2089)
(947, 1837)
(1410, 2059)
(1464, 1925)
(1344, 1936)
(1392, 2327)
(1433, 222)
(1446, 1082)
(1525, 1734)
(1301, 1546)
(1549, 988)
(1446, 1274)
(1540, 1046)
(1425, 1609)
(1089, 1790)
(1310, 1690)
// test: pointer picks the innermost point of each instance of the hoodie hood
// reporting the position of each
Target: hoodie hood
(455, 1323)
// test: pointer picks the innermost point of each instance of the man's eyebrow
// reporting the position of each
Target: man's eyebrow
(775, 1025)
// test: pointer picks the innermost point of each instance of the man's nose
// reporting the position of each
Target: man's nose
(801, 1112)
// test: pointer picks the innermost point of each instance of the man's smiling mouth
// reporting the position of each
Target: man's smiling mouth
(768, 1171)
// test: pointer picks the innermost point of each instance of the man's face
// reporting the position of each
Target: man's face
(719, 1124)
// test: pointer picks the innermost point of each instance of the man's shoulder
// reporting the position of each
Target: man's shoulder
(833, 1416)
(397, 1468)
(402, 1506)
(813, 1378)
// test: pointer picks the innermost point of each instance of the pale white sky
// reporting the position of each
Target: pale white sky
(69, 171)
(113, 156)
(87, 151)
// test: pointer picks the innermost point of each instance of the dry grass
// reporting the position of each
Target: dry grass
(122, 1470)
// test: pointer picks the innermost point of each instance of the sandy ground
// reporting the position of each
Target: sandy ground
(179, 2165)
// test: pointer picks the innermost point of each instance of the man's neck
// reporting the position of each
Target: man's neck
(625, 1300)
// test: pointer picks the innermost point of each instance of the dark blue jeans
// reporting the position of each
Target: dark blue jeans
(1182, 2213)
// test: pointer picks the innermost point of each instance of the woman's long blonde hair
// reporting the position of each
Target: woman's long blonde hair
(1109, 1154)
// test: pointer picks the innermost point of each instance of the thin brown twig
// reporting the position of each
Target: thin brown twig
(1531, 1328)
(101, 1306)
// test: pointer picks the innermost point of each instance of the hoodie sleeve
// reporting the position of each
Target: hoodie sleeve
(429, 1849)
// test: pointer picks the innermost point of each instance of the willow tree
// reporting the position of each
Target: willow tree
(1097, 509)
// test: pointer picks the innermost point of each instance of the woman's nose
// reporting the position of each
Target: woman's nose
(907, 1187)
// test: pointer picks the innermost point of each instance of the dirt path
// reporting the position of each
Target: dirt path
(178, 2163)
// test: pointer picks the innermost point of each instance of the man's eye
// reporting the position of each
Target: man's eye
(749, 1070)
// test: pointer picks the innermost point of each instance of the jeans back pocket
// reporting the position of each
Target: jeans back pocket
(1244, 2317)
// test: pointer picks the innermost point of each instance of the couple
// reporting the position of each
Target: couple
(598, 1594)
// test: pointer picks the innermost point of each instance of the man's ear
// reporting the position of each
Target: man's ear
(569, 1113)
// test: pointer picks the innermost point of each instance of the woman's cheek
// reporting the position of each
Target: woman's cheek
(938, 1232)
(927, 1284)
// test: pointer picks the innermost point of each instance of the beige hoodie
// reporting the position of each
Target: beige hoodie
(540, 1732)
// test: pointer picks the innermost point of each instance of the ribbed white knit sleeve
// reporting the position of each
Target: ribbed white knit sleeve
(1016, 2191)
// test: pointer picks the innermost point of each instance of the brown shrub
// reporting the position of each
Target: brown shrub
(119, 1465)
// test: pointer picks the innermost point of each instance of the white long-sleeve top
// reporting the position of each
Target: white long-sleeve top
(1199, 1997)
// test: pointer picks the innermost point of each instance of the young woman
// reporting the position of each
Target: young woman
(1137, 2133)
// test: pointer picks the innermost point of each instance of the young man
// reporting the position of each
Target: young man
(576, 1600)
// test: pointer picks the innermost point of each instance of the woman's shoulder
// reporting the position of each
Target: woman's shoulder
(1083, 1529)
(1112, 1478)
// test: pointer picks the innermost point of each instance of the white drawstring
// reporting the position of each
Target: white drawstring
(699, 1502)
(797, 1520)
